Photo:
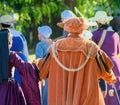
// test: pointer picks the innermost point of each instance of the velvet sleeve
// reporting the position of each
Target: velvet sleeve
(105, 69)
(29, 77)
(21, 65)
(43, 66)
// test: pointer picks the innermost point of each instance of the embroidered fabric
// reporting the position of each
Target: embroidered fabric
(71, 69)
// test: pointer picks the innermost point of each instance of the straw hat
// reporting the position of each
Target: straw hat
(75, 25)
(46, 31)
(7, 19)
(60, 24)
(101, 17)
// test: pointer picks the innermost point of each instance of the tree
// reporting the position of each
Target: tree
(33, 13)
(89, 7)
(70, 3)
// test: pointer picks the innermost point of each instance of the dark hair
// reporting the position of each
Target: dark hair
(103, 26)
(5, 25)
(115, 23)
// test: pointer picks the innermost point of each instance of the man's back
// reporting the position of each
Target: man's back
(74, 87)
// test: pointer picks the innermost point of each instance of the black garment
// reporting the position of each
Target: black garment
(102, 84)
(4, 55)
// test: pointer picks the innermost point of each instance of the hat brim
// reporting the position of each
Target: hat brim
(60, 24)
(95, 19)
(8, 22)
(7, 19)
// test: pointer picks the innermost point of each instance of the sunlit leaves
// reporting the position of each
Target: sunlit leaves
(53, 6)
(37, 14)
(89, 7)
(43, 9)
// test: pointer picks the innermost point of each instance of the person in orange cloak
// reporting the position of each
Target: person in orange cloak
(73, 66)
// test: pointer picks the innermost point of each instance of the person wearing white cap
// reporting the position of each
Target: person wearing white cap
(65, 15)
(108, 41)
(10, 91)
(7, 21)
(44, 33)
(19, 41)
(16, 33)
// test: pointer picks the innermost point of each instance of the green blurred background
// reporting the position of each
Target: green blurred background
(34, 13)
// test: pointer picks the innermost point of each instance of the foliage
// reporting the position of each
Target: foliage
(31, 13)
(89, 7)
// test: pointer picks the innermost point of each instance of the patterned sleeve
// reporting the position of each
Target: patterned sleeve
(105, 66)
(43, 66)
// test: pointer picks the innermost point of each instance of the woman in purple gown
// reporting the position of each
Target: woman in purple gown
(110, 44)
(10, 92)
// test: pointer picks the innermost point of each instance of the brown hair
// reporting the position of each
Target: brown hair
(115, 23)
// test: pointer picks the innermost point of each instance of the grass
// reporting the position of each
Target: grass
(31, 54)
(31, 57)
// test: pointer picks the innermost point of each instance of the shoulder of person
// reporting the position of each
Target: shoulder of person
(15, 32)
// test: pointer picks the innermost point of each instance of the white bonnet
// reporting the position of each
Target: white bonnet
(46, 31)
(87, 34)
(67, 14)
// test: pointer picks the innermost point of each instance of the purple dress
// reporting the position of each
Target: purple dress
(29, 78)
(11, 93)
(111, 46)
